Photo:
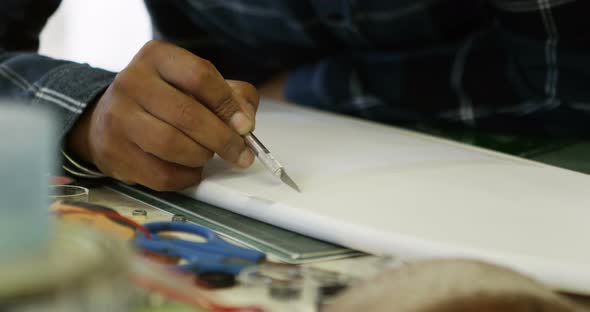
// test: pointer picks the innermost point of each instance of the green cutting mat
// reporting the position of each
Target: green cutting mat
(568, 153)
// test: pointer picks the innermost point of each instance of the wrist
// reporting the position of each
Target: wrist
(77, 155)
(77, 143)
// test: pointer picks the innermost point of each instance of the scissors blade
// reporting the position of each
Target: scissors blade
(287, 180)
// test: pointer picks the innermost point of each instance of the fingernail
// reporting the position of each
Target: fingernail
(246, 158)
(241, 123)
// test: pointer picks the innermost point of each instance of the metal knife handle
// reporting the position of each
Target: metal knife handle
(263, 154)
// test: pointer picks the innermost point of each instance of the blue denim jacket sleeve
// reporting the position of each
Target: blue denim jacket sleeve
(28, 78)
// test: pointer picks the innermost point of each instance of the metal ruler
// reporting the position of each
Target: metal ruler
(288, 246)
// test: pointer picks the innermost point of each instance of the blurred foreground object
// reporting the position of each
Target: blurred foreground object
(27, 138)
(69, 193)
(452, 285)
(43, 268)
(78, 271)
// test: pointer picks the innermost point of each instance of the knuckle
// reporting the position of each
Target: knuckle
(202, 72)
(225, 107)
(186, 116)
(249, 93)
(125, 82)
(249, 88)
(205, 65)
(110, 120)
(149, 48)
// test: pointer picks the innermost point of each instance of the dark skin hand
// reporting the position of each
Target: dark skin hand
(163, 117)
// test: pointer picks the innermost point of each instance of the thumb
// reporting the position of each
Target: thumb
(247, 97)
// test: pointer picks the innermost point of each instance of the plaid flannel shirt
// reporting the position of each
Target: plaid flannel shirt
(511, 65)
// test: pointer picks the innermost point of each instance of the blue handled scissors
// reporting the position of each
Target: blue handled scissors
(213, 256)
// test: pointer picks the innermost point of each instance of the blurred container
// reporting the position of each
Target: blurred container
(69, 193)
(79, 271)
(27, 149)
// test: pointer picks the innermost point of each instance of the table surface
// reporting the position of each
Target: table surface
(360, 267)
(565, 153)
(568, 153)
(363, 266)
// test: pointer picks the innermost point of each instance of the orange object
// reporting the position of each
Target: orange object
(99, 217)
(60, 180)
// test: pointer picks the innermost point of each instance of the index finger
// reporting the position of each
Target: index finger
(189, 116)
(199, 78)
